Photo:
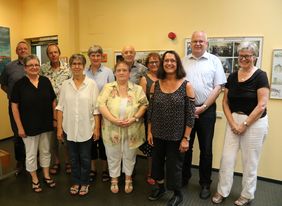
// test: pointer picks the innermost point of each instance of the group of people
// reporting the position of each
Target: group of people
(158, 108)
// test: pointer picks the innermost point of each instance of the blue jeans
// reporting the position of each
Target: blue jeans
(80, 159)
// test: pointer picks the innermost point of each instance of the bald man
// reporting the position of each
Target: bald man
(205, 72)
(12, 72)
(137, 70)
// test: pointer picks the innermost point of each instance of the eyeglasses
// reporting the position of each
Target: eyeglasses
(76, 64)
(247, 57)
(154, 62)
(32, 65)
(200, 42)
(170, 60)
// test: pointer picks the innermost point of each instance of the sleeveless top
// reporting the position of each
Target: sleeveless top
(170, 113)
(148, 85)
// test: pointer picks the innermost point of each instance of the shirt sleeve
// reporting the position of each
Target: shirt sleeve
(220, 78)
(61, 102)
(103, 96)
(15, 96)
(142, 99)
(4, 77)
(111, 76)
(262, 80)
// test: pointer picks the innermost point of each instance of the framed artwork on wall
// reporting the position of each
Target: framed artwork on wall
(276, 76)
(226, 49)
(5, 47)
(140, 56)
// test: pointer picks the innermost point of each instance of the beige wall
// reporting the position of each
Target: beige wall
(145, 24)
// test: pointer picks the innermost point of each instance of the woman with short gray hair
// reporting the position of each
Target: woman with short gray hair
(244, 104)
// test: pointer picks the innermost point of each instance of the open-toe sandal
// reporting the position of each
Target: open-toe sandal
(49, 182)
(242, 201)
(128, 188)
(84, 189)
(36, 187)
(217, 198)
(68, 168)
(55, 169)
(114, 186)
(105, 176)
(74, 190)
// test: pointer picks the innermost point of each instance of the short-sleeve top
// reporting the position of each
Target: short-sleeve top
(170, 113)
(35, 105)
(109, 97)
(242, 96)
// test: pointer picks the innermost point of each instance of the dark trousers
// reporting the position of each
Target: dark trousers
(204, 127)
(167, 154)
(80, 159)
(98, 150)
(19, 147)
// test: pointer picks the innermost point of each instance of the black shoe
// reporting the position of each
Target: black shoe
(156, 194)
(185, 183)
(175, 200)
(19, 168)
(205, 192)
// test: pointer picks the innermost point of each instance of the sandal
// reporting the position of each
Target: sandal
(150, 180)
(217, 198)
(36, 187)
(74, 189)
(128, 188)
(242, 201)
(49, 182)
(114, 186)
(92, 175)
(105, 176)
(55, 169)
(68, 168)
(84, 189)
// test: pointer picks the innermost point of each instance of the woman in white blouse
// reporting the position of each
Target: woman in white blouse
(79, 119)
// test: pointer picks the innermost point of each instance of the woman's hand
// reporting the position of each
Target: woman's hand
(238, 129)
(184, 145)
(150, 139)
(128, 122)
(60, 134)
(96, 134)
(21, 133)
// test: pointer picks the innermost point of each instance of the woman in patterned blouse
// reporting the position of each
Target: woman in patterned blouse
(122, 104)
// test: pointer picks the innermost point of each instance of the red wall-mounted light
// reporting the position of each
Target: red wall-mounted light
(171, 35)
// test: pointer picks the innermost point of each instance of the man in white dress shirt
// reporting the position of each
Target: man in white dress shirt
(206, 74)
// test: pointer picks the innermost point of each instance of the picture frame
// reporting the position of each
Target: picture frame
(5, 47)
(226, 49)
(276, 75)
(140, 56)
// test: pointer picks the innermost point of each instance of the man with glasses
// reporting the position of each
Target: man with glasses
(206, 74)
(12, 72)
(137, 70)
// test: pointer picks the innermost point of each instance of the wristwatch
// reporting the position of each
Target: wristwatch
(187, 138)
(136, 118)
(205, 106)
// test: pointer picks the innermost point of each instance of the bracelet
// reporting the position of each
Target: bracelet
(246, 124)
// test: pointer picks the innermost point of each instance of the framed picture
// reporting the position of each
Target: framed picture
(226, 49)
(140, 56)
(5, 48)
(276, 76)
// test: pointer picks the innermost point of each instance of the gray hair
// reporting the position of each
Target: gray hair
(246, 45)
(95, 49)
(79, 57)
(30, 57)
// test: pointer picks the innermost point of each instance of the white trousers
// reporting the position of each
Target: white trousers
(117, 153)
(33, 144)
(250, 144)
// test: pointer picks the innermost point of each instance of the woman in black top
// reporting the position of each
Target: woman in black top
(153, 62)
(170, 121)
(244, 104)
(33, 103)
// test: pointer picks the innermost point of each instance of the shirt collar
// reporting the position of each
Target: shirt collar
(204, 56)
(130, 84)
